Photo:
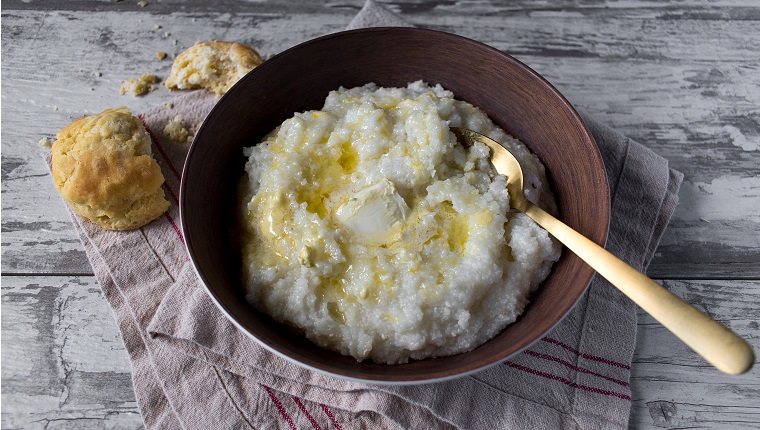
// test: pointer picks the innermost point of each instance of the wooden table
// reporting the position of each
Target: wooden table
(683, 79)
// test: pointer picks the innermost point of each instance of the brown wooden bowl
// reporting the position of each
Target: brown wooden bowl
(515, 97)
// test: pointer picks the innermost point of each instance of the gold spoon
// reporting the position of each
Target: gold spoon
(713, 341)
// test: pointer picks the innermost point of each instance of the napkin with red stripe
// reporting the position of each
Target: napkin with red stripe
(193, 369)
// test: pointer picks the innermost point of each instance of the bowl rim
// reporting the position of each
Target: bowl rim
(410, 381)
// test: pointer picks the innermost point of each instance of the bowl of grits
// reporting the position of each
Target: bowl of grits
(333, 217)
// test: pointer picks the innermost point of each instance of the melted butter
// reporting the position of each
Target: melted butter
(314, 199)
(263, 253)
(484, 217)
(376, 278)
(374, 215)
(333, 292)
(349, 158)
(372, 295)
(324, 173)
(277, 146)
(268, 245)
(331, 289)
(458, 234)
(333, 309)
(454, 227)
(271, 211)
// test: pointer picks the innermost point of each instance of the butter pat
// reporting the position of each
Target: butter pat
(375, 213)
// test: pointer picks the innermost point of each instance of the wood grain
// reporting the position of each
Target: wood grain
(683, 78)
(674, 388)
(64, 363)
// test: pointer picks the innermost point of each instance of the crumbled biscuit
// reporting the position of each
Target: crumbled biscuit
(213, 65)
(142, 3)
(161, 55)
(139, 86)
(46, 142)
(175, 131)
(103, 167)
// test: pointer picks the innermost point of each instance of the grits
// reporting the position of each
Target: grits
(368, 227)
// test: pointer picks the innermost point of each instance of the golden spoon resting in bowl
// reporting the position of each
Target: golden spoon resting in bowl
(713, 341)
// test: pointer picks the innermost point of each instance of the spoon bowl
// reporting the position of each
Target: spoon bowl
(717, 344)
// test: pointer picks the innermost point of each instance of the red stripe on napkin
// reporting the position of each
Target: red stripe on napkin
(174, 226)
(160, 149)
(313, 422)
(280, 408)
(586, 356)
(331, 416)
(574, 367)
(567, 382)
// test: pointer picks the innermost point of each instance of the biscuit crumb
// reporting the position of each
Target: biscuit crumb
(161, 55)
(97, 74)
(46, 142)
(157, 26)
(175, 131)
(139, 86)
(170, 105)
(142, 3)
(213, 65)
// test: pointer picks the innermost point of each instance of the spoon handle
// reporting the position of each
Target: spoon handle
(713, 341)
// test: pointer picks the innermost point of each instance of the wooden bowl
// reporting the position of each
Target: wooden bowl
(515, 97)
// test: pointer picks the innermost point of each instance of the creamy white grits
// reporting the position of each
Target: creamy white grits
(368, 227)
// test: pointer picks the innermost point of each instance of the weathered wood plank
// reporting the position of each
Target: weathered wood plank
(675, 388)
(693, 100)
(669, 9)
(64, 363)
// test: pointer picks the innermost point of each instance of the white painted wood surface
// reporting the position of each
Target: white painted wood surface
(682, 78)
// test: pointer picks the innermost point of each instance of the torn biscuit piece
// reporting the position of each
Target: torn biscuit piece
(175, 131)
(213, 65)
(103, 167)
(138, 86)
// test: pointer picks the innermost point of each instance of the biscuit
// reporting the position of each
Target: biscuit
(212, 65)
(103, 167)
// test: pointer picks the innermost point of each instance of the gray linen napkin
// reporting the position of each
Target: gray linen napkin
(193, 369)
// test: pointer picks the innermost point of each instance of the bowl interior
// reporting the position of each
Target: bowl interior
(511, 94)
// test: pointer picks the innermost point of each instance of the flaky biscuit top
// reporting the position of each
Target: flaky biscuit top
(103, 166)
